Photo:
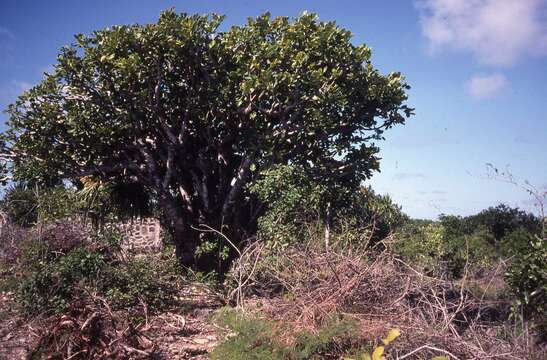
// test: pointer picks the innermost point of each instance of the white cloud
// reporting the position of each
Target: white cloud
(496, 32)
(486, 86)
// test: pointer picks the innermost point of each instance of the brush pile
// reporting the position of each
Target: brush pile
(90, 329)
(307, 286)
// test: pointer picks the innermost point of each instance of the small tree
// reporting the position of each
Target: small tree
(190, 113)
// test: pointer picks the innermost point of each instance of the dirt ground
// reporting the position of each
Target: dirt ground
(183, 333)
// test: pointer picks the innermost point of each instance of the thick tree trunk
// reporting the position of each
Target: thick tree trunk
(185, 222)
(184, 237)
(186, 241)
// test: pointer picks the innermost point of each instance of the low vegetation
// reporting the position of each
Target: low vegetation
(458, 287)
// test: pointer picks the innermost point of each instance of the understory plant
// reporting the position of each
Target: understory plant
(252, 337)
(527, 278)
(54, 270)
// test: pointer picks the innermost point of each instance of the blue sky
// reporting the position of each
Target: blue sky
(478, 71)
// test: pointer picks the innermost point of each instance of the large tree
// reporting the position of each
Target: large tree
(192, 114)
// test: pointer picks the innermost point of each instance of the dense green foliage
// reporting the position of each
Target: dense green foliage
(446, 247)
(20, 204)
(63, 263)
(52, 284)
(296, 204)
(26, 206)
(192, 115)
(527, 277)
(502, 220)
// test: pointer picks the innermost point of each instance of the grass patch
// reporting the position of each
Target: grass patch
(249, 337)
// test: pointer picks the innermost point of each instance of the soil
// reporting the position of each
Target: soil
(183, 333)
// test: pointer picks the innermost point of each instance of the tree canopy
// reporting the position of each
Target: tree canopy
(192, 114)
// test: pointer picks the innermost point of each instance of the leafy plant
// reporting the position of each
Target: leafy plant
(52, 285)
(130, 282)
(254, 338)
(192, 115)
(20, 203)
(251, 339)
(527, 277)
(446, 247)
(296, 204)
(502, 220)
(292, 199)
(516, 243)
(60, 264)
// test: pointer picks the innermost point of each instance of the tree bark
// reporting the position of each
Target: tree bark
(184, 237)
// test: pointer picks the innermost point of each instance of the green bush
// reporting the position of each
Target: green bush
(442, 249)
(20, 203)
(292, 199)
(421, 243)
(128, 283)
(309, 346)
(527, 278)
(515, 243)
(57, 203)
(254, 338)
(378, 213)
(53, 276)
(502, 220)
(52, 284)
(297, 204)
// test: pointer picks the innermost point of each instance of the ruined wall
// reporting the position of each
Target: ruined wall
(140, 235)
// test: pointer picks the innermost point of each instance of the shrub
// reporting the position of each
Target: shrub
(377, 212)
(442, 248)
(57, 203)
(292, 199)
(296, 202)
(255, 338)
(20, 203)
(52, 284)
(502, 220)
(421, 243)
(62, 263)
(312, 345)
(136, 280)
(516, 243)
(473, 251)
(527, 277)
(49, 242)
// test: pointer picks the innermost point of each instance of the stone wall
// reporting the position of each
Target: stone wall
(140, 235)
